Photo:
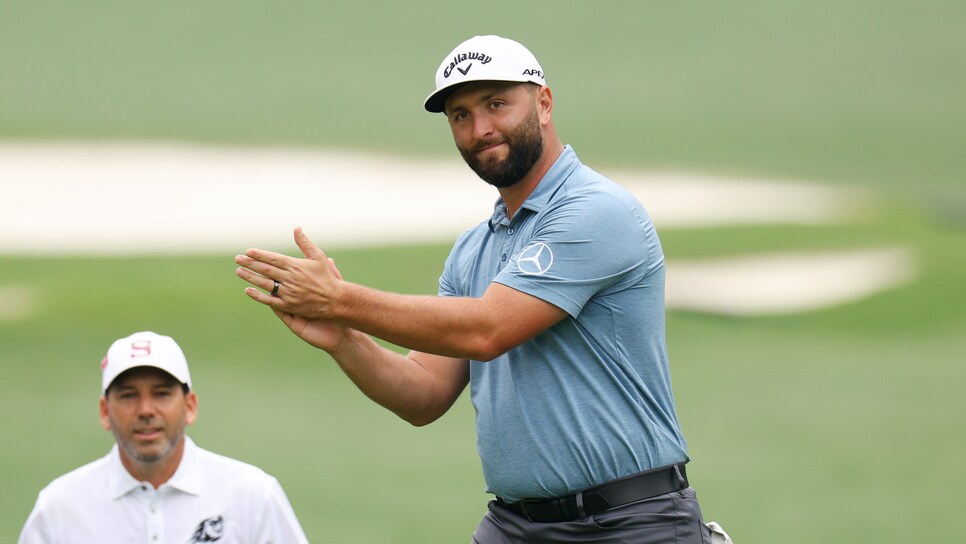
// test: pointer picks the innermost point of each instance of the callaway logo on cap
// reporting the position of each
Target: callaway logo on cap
(144, 349)
(483, 58)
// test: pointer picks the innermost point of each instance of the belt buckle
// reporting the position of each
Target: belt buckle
(554, 510)
(523, 507)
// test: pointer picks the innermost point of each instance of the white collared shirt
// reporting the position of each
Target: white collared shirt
(210, 498)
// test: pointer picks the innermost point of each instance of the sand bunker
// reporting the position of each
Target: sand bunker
(77, 198)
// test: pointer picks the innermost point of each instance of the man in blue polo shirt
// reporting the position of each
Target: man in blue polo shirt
(552, 310)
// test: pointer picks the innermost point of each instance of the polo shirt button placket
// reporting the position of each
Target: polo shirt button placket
(507, 247)
(155, 527)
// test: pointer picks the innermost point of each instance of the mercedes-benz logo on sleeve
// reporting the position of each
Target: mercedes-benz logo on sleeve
(535, 259)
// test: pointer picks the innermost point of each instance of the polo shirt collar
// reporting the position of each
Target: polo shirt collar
(565, 164)
(186, 478)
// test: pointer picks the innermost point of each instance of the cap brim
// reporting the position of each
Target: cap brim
(108, 381)
(436, 102)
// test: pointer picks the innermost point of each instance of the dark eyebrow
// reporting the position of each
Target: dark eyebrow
(491, 96)
(122, 387)
(166, 385)
(483, 100)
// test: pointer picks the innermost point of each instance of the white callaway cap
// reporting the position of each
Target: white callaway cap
(483, 58)
(144, 349)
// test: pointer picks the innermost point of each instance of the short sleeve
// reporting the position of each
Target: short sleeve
(277, 521)
(36, 530)
(581, 246)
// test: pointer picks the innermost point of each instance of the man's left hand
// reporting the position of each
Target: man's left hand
(308, 287)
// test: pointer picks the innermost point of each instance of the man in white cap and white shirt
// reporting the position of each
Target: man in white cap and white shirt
(551, 309)
(156, 485)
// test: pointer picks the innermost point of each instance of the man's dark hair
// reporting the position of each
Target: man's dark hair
(171, 379)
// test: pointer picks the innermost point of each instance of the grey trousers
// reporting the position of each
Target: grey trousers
(673, 518)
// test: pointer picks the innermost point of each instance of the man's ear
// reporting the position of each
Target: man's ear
(191, 407)
(544, 104)
(105, 420)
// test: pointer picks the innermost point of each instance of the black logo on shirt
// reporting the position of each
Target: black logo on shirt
(209, 530)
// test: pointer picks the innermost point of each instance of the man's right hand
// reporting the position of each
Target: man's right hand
(324, 334)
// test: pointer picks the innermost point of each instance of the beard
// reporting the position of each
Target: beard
(147, 453)
(526, 146)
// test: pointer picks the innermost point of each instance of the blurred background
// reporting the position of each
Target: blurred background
(836, 423)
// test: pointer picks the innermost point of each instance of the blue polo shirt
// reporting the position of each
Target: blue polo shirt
(588, 400)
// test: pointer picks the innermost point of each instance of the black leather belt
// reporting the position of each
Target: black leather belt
(612, 494)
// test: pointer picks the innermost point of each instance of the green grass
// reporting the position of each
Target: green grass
(848, 415)
(265, 397)
(842, 425)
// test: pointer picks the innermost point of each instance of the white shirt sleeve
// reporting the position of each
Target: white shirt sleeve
(278, 524)
(35, 530)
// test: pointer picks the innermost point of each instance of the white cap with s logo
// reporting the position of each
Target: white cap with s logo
(144, 349)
